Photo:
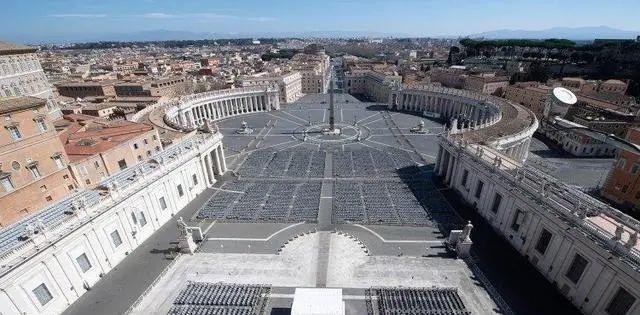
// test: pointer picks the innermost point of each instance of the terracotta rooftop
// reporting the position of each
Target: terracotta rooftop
(85, 137)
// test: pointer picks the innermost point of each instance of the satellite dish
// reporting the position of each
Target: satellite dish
(559, 102)
(564, 96)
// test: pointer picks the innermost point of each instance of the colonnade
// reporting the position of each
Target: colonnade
(196, 114)
(474, 114)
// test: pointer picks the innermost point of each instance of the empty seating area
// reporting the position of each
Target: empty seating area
(369, 162)
(426, 301)
(220, 298)
(399, 201)
(264, 201)
(347, 203)
(286, 163)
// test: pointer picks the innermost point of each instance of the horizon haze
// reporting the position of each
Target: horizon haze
(59, 21)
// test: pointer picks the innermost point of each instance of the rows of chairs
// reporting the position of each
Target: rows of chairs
(347, 203)
(306, 202)
(369, 162)
(289, 163)
(258, 201)
(278, 204)
(427, 301)
(408, 208)
(389, 202)
(220, 298)
(208, 310)
(378, 204)
(255, 163)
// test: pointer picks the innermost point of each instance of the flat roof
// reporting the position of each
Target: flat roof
(20, 103)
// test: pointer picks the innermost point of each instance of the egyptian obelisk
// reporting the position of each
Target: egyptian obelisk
(332, 126)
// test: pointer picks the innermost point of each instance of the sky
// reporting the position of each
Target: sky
(42, 20)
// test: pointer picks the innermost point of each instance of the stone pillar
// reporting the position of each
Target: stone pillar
(216, 158)
(438, 165)
(449, 168)
(221, 158)
(444, 165)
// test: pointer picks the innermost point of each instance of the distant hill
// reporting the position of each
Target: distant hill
(573, 33)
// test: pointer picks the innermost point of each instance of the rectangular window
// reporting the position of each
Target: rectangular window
(122, 164)
(465, 175)
(479, 189)
(43, 294)
(163, 203)
(42, 126)
(575, 271)
(33, 169)
(83, 262)
(142, 219)
(496, 203)
(180, 191)
(621, 163)
(59, 162)
(620, 303)
(195, 179)
(543, 241)
(14, 132)
(115, 238)
(634, 169)
(517, 220)
(6, 184)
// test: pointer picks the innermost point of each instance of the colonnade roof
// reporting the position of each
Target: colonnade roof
(515, 119)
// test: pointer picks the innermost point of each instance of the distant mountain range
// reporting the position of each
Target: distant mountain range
(573, 33)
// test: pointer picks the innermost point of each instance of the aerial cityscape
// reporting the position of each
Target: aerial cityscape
(330, 158)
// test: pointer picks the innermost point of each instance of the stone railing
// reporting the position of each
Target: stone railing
(24, 251)
(552, 196)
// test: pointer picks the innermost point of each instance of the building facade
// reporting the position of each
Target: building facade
(622, 186)
(33, 162)
(21, 75)
(487, 84)
(587, 249)
(289, 84)
(79, 240)
(315, 68)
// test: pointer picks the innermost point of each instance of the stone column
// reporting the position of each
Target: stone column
(222, 160)
(450, 168)
(216, 158)
(438, 165)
